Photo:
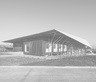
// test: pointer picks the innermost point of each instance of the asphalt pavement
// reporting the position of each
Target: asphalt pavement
(47, 74)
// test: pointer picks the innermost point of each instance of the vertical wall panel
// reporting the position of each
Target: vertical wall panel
(36, 48)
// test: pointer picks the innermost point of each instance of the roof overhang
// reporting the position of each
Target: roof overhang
(22, 39)
(83, 41)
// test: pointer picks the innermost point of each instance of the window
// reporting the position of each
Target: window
(26, 48)
(55, 48)
(48, 47)
(65, 48)
(60, 47)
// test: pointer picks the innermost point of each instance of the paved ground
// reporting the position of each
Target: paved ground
(47, 74)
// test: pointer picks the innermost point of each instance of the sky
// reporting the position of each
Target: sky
(25, 17)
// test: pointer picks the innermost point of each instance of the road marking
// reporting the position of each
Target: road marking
(25, 76)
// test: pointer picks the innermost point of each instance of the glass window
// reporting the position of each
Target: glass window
(48, 47)
(55, 48)
(60, 47)
(26, 48)
(65, 48)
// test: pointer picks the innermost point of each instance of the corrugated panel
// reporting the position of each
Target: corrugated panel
(33, 48)
(39, 48)
(44, 47)
(36, 48)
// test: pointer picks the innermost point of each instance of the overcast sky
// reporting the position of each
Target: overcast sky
(24, 17)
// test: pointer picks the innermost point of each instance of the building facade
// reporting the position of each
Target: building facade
(51, 42)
